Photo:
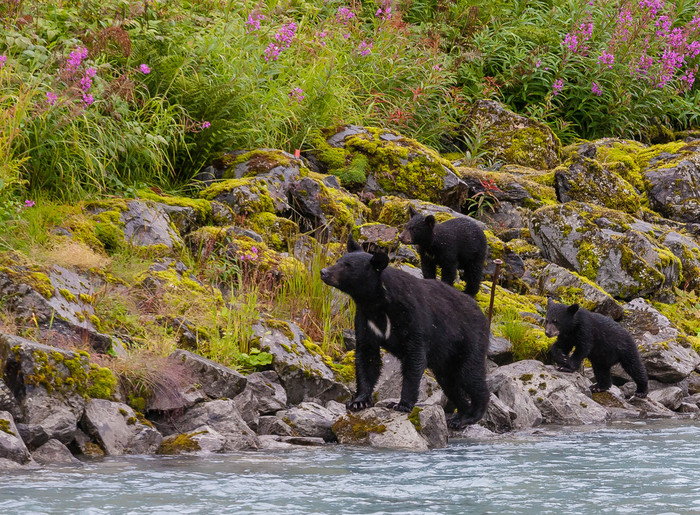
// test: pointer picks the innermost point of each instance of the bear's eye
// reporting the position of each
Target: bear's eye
(554, 320)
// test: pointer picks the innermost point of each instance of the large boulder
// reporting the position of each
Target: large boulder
(217, 381)
(309, 419)
(673, 178)
(50, 384)
(666, 356)
(54, 452)
(569, 287)
(523, 190)
(513, 139)
(118, 429)
(688, 251)
(302, 371)
(587, 180)
(221, 416)
(390, 380)
(377, 162)
(389, 429)
(561, 398)
(147, 224)
(201, 441)
(604, 246)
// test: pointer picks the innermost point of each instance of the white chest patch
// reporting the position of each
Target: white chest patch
(377, 331)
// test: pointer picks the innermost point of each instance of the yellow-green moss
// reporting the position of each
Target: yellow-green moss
(5, 427)
(201, 206)
(259, 161)
(644, 157)
(67, 294)
(414, 418)
(259, 201)
(181, 443)
(101, 383)
(355, 428)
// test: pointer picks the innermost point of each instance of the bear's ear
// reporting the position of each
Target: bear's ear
(353, 246)
(412, 212)
(549, 301)
(572, 309)
(430, 221)
(379, 261)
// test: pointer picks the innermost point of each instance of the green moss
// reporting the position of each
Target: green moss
(414, 418)
(526, 146)
(253, 197)
(644, 157)
(101, 382)
(353, 427)
(5, 427)
(68, 295)
(588, 259)
(525, 377)
(258, 161)
(181, 443)
(282, 327)
(390, 210)
(277, 232)
(202, 207)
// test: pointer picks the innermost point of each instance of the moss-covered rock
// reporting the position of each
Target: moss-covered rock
(603, 246)
(512, 138)
(378, 162)
(518, 189)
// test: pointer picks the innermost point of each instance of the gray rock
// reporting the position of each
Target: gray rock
(8, 401)
(674, 187)
(651, 409)
(201, 441)
(220, 415)
(272, 425)
(118, 430)
(302, 373)
(670, 397)
(384, 428)
(569, 287)
(498, 417)
(49, 392)
(309, 419)
(688, 407)
(432, 424)
(302, 441)
(500, 350)
(560, 397)
(601, 245)
(11, 445)
(688, 251)
(147, 223)
(177, 398)
(268, 391)
(54, 452)
(217, 381)
(511, 393)
(390, 380)
(185, 218)
(33, 435)
(276, 442)
(693, 399)
(12, 466)
(664, 357)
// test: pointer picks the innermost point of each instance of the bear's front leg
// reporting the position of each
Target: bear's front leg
(412, 367)
(368, 365)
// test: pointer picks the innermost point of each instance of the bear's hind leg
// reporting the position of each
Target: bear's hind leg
(632, 364)
(472, 273)
(603, 378)
(473, 385)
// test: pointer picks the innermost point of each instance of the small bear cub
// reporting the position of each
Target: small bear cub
(596, 337)
(424, 323)
(456, 243)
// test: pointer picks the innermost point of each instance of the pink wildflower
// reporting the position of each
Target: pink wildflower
(144, 69)
(557, 86)
(3, 60)
(254, 22)
(51, 97)
(364, 48)
(596, 89)
(606, 58)
(296, 94)
(344, 15)
(29, 203)
(76, 58)
(272, 52)
(88, 99)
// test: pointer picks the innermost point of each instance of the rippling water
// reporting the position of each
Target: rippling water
(642, 468)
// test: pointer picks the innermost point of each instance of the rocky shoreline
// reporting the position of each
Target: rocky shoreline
(611, 224)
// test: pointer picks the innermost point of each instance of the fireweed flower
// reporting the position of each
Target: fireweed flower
(205, 125)
(286, 34)
(344, 15)
(76, 58)
(51, 97)
(29, 203)
(254, 22)
(606, 58)
(144, 69)
(296, 94)
(557, 86)
(364, 48)
(384, 14)
(88, 99)
(272, 52)
(3, 60)
(596, 89)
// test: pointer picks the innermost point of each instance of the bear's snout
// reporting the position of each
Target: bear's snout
(326, 276)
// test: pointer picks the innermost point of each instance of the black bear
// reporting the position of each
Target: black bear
(456, 243)
(596, 337)
(424, 323)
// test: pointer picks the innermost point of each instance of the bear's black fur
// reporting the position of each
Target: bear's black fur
(424, 323)
(456, 243)
(596, 337)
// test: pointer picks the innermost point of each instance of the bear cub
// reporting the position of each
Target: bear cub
(596, 337)
(458, 243)
(424, 323)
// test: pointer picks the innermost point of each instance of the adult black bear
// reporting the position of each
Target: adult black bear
(456, 243)
(424, 323)
(596, 337)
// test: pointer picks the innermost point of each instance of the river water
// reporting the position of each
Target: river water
(631, 468)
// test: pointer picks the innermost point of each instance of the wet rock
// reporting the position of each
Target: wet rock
(651, 409)
(217, 381)
(500, 350)
(11, 445)
(664, 357)
(670, 397)
(569, 287)
(7, 401)
(147, 224)
(7, 465)
(499, 417)
(302, 373)
(54, 452)
(201, 441)
(512, 138)
(560, 397)
(220, 415)
(309, 419)
(263, 395)
(272, 425)
(118, 430)
(382, 428)
(602, 246)
(511, 393)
